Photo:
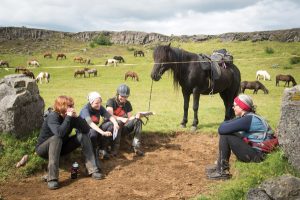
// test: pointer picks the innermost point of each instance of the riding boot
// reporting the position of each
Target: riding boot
(221, 172)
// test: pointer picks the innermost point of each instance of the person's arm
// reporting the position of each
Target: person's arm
(110, 110)
(235, 125)
(56, 127)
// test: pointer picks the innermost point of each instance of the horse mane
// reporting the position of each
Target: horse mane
(174, 55)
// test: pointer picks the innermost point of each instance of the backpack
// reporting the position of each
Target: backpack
(222, 57)
(270, 141)
(47, 112)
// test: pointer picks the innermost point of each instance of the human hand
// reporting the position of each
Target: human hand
(138, 116)
(107, 133)
(71, 112)
(123, 119)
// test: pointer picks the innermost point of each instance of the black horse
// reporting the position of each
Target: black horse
(138, 52)
(192, 72)
(253, 85)
(119, 58)
(287, 78)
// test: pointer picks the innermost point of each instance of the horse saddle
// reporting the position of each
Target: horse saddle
(211, 65)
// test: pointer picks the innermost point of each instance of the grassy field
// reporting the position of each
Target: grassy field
(166, 102)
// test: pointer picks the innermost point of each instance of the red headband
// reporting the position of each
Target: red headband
(241, 104)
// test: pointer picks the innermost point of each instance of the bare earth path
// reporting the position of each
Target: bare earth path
(173, 168)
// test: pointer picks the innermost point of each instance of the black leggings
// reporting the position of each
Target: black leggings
(242, 150)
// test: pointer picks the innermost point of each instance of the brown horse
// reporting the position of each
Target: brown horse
(138, 52)
(61, 56)
(3, 62)
(287, 78)
(78, 59)
(133, 76)
(22, 69)
(253, 85)
(79, 72)
(48, 55)
(29, 74)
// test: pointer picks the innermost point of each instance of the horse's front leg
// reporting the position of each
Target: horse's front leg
(186, 100)
(196, 97)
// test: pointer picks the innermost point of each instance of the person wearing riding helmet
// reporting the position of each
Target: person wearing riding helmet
(238, 135)
(92, 113)
(120, 108)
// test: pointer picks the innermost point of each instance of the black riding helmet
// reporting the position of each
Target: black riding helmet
(123, 90)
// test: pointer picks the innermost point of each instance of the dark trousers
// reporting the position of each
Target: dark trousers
(242, 150)
(134, 129)
(56, 146)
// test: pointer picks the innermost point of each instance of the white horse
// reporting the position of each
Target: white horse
(112, 61)
(41, 76)
(33, 63)
(264, 74)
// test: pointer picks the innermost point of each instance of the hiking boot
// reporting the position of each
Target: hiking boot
(219, 175)
(138, 152)
(52, 185)
(104, 155)
(210, 169)
(97, 175)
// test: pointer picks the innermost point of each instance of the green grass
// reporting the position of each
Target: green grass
(166, 102)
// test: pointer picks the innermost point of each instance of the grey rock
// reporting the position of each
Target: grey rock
(288, 127)
(21, 106)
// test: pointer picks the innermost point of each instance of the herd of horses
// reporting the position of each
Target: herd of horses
(191, 71)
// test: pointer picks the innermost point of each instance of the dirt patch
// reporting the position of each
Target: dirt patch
(172, 168)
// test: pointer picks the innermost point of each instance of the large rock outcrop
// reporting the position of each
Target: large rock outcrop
(21, 106)
(289, 125)
(137, 38)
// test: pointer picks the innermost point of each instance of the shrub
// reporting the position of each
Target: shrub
(269, 50)
(102, 40)
(92, 45)
(294, 60)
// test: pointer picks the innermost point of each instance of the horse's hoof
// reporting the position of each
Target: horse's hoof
(182, 125)
(194, 128)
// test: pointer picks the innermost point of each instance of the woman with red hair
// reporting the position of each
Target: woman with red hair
(240, 135)
(55, 139)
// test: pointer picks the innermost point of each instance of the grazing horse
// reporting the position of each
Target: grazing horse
(41, 76)
(192, 72)
(119, 58)
(48, 55)
(61, 56)
(28, 74)
(33, 63)
(78, 59)
(92, 71)
(133, 76)
(287, 78)
(3, 62)
(138, 52)
(264, 74)
(253, 85)
(22, 69)
(79, 72)
(111, 61)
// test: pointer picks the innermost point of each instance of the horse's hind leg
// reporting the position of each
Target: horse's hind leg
(228, 97)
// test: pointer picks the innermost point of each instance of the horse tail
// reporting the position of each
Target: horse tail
(106, 62)
(48, 76)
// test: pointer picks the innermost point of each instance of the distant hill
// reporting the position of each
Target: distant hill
(141, 38)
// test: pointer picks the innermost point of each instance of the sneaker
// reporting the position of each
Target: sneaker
(97, 175)
(52, 185)
(138, 152)
(219, 175)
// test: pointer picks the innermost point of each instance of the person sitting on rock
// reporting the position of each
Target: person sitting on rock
(240, 135)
